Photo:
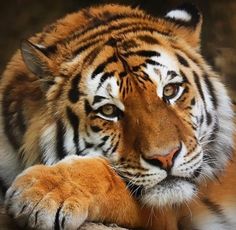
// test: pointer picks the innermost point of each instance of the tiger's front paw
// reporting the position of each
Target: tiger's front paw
(46, 197)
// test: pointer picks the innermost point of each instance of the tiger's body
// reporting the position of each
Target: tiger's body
(114, 82)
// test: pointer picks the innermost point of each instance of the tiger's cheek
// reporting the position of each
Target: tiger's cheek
(186, 110)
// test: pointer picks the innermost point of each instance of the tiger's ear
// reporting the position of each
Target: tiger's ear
(188, 21)
(37, 62)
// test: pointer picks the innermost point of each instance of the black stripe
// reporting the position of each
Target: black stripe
(74, 121)
(122, 74)
(124, 26)
(101, 144)
(137, 67)
(214, 208)
(146, 77)
(73, 93)
(121, 85)
(193, 101)
(183, 75)
(85, 46)
(141, 81)
(100, 68)
(111, 146)
(201, 120)
(144, 53)
(198, 84)
(182, 60)
(180, 49)
(94, 24)
(90, 57)
(47, 51)
(172, 74)
(152, 62)
(88, 109)
(61, 153)
(89, 28)
(211, 91)
(192, 159)
(56, 221)
(98, 99)
(129, 44)
(105, 138)
(208, 118)
(215, 132)
(88, 145)
(107, 30)
(103, 78)
(138, 28)
(209, 159)
(148, 39)
(95, 128)
(121, 28)
(115, 147)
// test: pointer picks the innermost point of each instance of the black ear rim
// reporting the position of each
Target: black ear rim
(190, 8)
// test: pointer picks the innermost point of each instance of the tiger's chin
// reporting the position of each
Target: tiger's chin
(169, 192)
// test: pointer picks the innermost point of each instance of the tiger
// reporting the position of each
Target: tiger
(113, 115)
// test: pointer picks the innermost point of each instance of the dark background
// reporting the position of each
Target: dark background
(22, 18)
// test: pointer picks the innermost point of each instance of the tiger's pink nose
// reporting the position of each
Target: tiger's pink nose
(166, 161)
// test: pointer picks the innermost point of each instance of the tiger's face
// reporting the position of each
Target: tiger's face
(142, 113)
(146, 100)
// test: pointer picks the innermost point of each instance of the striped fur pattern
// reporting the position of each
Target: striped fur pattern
(96, 82)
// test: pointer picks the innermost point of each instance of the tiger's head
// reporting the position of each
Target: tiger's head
(136, 90)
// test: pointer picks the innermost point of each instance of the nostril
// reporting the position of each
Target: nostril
(164, 161)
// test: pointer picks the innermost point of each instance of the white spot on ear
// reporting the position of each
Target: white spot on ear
(40, 46)
(179, 15)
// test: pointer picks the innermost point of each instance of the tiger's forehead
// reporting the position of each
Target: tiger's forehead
(147, 64)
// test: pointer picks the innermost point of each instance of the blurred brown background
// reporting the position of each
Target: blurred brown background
(22, 18)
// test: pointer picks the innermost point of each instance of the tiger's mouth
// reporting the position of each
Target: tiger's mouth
(159, 187)
(171, 180)
(170, 191)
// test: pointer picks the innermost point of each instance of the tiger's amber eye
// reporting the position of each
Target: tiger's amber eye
(170, 91)
(108, 110)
